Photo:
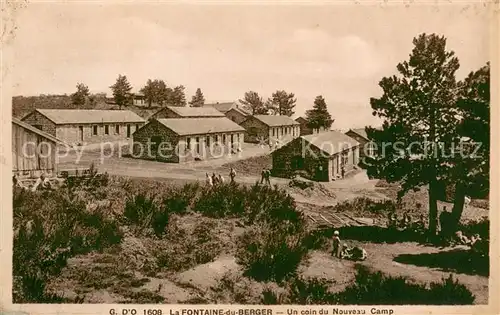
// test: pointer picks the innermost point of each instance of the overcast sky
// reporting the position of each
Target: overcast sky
(340, 52)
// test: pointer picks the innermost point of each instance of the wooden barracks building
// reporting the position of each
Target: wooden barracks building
(231, 110)
(322, 156)
(179, 140)
(33, 151)
(270, 128)
(78, 126)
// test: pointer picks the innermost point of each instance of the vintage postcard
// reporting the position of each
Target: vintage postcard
(249, 158)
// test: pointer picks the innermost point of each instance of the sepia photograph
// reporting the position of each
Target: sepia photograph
(249, 154)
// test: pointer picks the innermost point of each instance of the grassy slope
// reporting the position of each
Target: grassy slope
(123, 273)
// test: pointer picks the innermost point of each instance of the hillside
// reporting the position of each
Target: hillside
(23, 105)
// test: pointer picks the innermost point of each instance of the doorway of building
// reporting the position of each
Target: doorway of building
(80, 133)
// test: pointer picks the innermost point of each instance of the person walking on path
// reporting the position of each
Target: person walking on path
(232, 174)
(337, 248)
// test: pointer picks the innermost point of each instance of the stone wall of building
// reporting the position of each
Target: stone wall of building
(255, 130)
(184, 148)
(143, 146)
(235, 116)
(283, 134)
(210, 146)
(95, 133)
(298, 156)
(41, 122)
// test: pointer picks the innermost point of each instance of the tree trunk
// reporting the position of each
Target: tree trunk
(458, 206)
(433, 209)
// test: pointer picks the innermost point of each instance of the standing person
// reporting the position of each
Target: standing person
(232, 174)
(263, 176)
(343, 171)
(268, 177)
(337, 248)
(215, 180)
(208, 180)
(221, 179)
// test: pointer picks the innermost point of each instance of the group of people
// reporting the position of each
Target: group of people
(41, 183)
(344, 251)
(214, 180)
(407, 221)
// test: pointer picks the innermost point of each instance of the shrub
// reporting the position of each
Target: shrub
(449, 292)
(222, 201)
(272, 206)
(372, 288)
(178, 200)
(50, 227)
(257, 204)
(140, 210)
(310, 291)
(270, 252)
(198, 246)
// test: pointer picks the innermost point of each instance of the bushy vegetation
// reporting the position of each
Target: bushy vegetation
(48, 233)
(371, 288)
(271, 252)
(375, 288)
(272, 247)
(144, 210)
(184, 249)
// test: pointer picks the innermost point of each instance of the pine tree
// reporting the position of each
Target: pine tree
(254, 103)
(198, 99)
(420, 119)
(121, 91)
(150, 92)
(80, 97)
(282, 103)
(178, 97)
(471, 169)
(162, 92)
(319, 117)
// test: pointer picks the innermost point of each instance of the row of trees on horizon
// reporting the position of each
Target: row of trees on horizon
(157, 92)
